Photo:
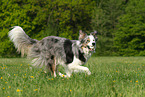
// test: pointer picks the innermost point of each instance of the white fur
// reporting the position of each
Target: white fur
(15, 35)
(92, 40)
(75, 66)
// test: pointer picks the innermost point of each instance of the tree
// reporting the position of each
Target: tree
(129, 38)
(41, 18)
(104, 20)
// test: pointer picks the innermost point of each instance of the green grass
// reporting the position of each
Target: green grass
(111, 76)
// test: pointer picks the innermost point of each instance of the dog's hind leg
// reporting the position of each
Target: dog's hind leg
(52, 66)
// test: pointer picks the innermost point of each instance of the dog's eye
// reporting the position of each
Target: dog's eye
(88, 40)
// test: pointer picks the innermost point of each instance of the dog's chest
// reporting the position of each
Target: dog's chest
(77, 61)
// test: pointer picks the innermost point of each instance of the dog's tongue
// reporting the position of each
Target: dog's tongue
(91, 49)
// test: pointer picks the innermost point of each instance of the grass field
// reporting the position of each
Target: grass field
(111, 77)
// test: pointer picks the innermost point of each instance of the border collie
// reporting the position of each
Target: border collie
(52, 51)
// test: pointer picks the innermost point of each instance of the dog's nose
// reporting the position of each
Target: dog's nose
(93, 44)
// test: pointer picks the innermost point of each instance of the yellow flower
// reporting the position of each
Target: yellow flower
(52, 79)
(114, 81)
(28, 64)
(131, 81)
(1, 77)
(18, 90)
(63, 75)
(9, 86)
(6, 82)
(21, 65)
(8, 96)
(70, 90)
(36, 90)
(14, 74)
(32, 76)
(136, 81)
(3, 88)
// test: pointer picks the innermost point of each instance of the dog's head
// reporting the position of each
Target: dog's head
(88, 41)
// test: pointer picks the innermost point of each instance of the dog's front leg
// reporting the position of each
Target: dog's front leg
(77, 68)
(68, 72)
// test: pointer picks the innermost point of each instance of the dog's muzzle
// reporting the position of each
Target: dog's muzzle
(91, 49)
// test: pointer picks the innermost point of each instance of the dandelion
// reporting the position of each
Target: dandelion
(6, 82)
(32, 76)
(63, 75)
(8, 96)
(114, 81)
(18, 90)
(1, 77)
(9, 86)
(14, 74)
(52, 79)
(28, 64)
(131, 81)
(36, 90)
(70, 90)
(21, 65)
(3, 88)
(136, 81)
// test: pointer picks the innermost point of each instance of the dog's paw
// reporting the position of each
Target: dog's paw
(89, 73)
(62, 75)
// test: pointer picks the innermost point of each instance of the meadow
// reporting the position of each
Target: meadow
(111, 77)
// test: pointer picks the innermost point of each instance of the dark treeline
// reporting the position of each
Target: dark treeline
(120, 23)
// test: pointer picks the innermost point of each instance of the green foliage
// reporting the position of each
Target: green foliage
(120, 23)
(42, 18)
(104, 20)
(129, 38)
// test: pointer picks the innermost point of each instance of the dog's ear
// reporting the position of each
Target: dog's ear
(95, 35)
(82, 35)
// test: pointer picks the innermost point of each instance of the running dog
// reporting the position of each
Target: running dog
(52, 51)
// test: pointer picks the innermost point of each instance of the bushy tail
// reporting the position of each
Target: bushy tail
(22, 42)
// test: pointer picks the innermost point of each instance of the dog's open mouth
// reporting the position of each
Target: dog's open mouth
(91, 49)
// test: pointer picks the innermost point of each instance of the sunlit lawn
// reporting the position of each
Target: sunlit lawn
(111, 76)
